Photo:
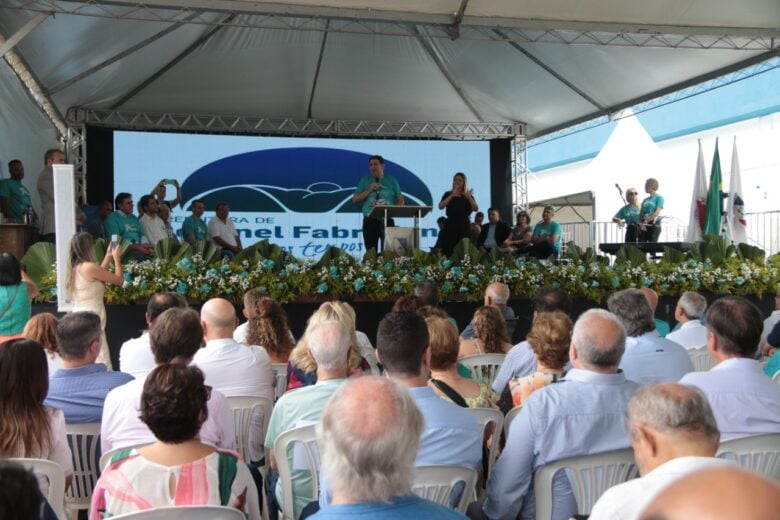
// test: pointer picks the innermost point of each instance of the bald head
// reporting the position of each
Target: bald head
(598, 341)
(369, 434)
(497, 294)
(717, 494)
(218, 317)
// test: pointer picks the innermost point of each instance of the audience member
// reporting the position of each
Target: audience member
(223, 232)
(369, 435)
(174, 336)
(152, 225)
(329, 344)
(97, 227)
(125, 225)
(649, 358)
(744, 400)
(691, 334)
(29, 429)
(136, 357)
(771, 320)
(43, 329)
(194, 229)
(17, 291)
(20, 497)
(302, 367)
(428, 291)
(268, 328)
(86, 281)
(773, 345)
(15, 199)
(476, 226)
(46, 192)
(717, 494)
(673, 433)
(652, 298)
(229, 366)
(550, 340)
(546, 238)
(490, 334)
(177, 469)
(494, 233)
(80, 387)
(520, 361)
(445, 379)
(407, 302)
(591, 401)
(496, 295)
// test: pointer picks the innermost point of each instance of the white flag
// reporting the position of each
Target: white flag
(735, 209)
(698, 200)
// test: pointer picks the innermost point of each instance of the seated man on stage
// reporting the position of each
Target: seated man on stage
(547, 236)
(494, 233)
(376, 189)
(649, 214)
(125, 224)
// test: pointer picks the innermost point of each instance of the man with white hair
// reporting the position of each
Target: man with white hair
(496, 295)
(673, 433)
(368, 436)
(649, 358)
(691, 334)
(329, 344)
(581, 415)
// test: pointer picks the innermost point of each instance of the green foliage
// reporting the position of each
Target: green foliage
(172, 250)
(39, 261)
(630, 255)
(207, 250)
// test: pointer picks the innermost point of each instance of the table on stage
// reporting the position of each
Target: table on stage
(645, 247)
(16, 238)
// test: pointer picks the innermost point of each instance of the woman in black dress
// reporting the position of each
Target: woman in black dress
(459, 203)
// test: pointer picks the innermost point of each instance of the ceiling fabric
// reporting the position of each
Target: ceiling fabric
(390, 60)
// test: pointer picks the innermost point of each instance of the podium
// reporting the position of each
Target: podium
(16, 238)
(403, 239)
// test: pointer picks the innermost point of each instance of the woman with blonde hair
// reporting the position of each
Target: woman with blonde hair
(490, 334)
(268, 328)
(43, 329)
(459, 203)
(445, 380)
(302, 369)
(550, 338)
(87, 281)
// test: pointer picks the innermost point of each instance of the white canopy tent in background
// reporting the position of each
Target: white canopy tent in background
(317, 67)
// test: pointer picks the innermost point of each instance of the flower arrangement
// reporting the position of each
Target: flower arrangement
(463, 276)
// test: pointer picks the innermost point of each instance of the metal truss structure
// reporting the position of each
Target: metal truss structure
(76, 152)
(519, 174)
(288, 126)
(262, 15)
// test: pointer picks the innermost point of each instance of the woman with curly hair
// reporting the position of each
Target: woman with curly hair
(268, 328)
(302, 369)
(43, 329)
(550, 338)
(177, 469)
(490, 334)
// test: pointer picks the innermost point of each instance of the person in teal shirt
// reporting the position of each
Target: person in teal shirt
(16, 293)
(649, 214)
(773, 343)
(194, 228)
(546, 239)
(124, 224)
(376, 189)
(629, 216)
(14, 197)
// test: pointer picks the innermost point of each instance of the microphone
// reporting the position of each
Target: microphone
(618, 187)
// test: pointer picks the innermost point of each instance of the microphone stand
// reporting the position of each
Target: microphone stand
(621, 194)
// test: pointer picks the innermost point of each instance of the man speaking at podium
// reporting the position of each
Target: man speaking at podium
(376, 189)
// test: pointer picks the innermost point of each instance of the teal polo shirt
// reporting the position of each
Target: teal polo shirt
(18, 196)
(126, 226)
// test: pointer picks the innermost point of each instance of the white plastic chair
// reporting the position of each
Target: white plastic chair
(702, 361)
(510, 416)
(185, 513)
(244, 408)
(304, 439)
(56, 477)
(589, 476)
(436, 483)
(485, 417)
(776, 377)
(280, 371)
(84, 442)
(759, 453)
(484, 367)
(369, 354)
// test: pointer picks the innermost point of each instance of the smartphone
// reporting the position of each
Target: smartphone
(114, 241)
(169, 181)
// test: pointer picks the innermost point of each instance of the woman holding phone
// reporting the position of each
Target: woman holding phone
(87, 281)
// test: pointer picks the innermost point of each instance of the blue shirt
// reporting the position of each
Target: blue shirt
(399, 508)
(17, 195)
(743, 399)
(80, 392)
(649, 358)
(547, 230)
(649, 205)
(390, 190)
(629, 214)
(582, 415)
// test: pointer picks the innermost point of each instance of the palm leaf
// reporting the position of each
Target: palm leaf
(207, 250)
(632, 254)
(170, 249)
(672, 256)
(39, 260)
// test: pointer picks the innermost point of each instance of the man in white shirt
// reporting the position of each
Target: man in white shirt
(223, 232)
(744, 400)
(232, 368)
(673, 433)
(152, 225)
(649, 358)
(691, 334)
(174, 336)
(136, 357)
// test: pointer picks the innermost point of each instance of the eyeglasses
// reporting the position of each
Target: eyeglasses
(630, 193)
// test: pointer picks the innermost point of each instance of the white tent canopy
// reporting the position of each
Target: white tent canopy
(538, 65)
